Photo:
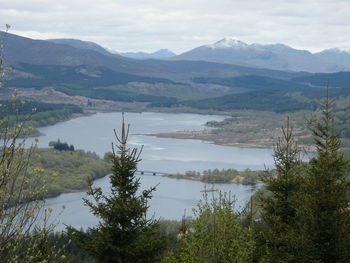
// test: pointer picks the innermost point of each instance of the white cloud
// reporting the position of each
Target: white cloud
(129, 25)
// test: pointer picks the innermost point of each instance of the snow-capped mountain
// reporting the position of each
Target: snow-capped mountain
(276, 56)
(228, 43)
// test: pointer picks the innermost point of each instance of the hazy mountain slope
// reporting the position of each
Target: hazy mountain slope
(25, 50)
(188, 69)
(160, 54)
(264, 100)
(85, 76)
(338, 79)
(302, 60)
(334, 55)
(81, 45)
(256, 82)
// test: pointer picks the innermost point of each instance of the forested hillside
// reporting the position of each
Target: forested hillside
(36, 114)
(67, 171)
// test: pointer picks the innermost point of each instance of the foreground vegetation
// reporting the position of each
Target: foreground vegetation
(304, 207)
(21, 239)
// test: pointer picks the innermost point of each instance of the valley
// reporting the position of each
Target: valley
(175, 131)
(239, 105)
(72, 78)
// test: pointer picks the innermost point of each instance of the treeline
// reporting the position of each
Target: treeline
(263, 93)
(261, 100)
(36, 114)
(61, 146)
(222, 176)
(256, 82)
(29, 107)
(66, 171)
(80, 76)
(112, 93)
(41, 119)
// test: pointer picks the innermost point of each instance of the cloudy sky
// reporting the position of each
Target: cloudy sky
(180, 25)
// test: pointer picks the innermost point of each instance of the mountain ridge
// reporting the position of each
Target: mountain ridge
(20, 49)
(272, 56)
(81, 44)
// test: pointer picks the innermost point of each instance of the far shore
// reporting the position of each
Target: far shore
(204, 136)
(249, 129)
(238, 180)
(231, 139)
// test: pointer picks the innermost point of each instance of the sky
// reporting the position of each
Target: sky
(180, 25)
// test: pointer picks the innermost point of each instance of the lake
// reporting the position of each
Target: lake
(173, 198)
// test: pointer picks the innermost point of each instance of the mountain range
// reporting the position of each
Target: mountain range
(160, 54)
(236, 52)
(277, 56)
(41, 52)
(84, 68)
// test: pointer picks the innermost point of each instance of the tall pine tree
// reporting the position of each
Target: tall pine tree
(324, 221)
(278, 207)
(124, 233)
(306, 216)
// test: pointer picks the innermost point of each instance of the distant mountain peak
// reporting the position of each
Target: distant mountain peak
(229, 43)
(272, 56)
(164, 52)
(336, 50)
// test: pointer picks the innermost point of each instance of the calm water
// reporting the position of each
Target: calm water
(173, 197)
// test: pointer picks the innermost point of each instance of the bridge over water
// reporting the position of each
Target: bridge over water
(154, 173)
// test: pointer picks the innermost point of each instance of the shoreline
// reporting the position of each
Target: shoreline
(227, 143)
(71, 191)
(203, 135)
(222, 176)
(240, 180)
(222, 136)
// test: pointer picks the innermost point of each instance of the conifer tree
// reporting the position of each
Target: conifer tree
(124, 233)
(216, 234)
(306, 217)
(278, 207)
(324, 218)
